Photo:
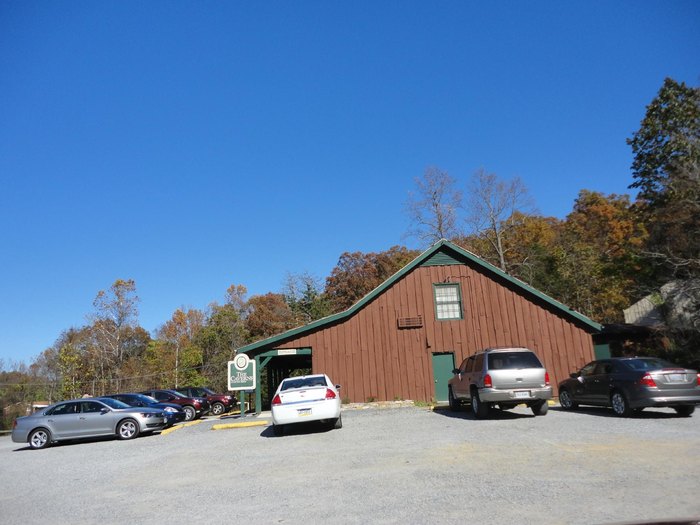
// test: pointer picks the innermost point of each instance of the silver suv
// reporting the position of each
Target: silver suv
(500, 376)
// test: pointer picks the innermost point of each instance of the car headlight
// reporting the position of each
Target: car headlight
(150, 414)
(170, 409)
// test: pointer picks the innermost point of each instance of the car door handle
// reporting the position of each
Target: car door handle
(82, 417)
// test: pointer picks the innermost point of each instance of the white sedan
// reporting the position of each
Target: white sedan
(306, 398)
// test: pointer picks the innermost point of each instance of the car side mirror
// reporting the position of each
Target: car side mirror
(104, 410)
(456, 371)
(337, 387)
(574, 375)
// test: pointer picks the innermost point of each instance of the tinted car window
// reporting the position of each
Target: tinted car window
(588, 369)
(65, 408)
(304, 382)
(479, 362)
(113, 403)
(90, 406)
(469, 364)
(642, 364)
(602, 368)
(513, 360)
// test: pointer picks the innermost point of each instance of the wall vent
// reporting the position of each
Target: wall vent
(410, 322)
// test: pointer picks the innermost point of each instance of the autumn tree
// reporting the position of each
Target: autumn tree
(178, 349)
(596, 264)
(433, 207)
(268, 315)
(357, 274)
(114, 324)
(223, 332)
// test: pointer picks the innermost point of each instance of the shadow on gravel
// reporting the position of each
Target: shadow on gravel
(494, 414)
(298, 429)
(73, 442)
(647, 413)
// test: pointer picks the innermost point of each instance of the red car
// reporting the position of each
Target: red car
(194, 407)
(220, 403)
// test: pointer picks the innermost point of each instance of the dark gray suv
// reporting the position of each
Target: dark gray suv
(506, 377)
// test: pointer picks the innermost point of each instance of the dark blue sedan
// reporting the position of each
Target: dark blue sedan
(173, 413)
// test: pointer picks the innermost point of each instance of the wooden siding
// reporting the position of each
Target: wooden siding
(372, 358)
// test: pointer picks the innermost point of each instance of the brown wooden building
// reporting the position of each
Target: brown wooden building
(402, 340)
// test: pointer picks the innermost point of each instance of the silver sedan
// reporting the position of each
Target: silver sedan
(85, 418)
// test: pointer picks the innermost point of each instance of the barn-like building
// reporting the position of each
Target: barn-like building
(404, 338)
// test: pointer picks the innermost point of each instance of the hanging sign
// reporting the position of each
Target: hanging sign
(241, 373)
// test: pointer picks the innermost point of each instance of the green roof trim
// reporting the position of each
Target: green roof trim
(442, 252)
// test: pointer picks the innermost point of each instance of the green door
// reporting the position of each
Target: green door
(443, 364)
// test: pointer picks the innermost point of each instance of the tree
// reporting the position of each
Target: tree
(667, 141)
(223, 332)
(304, 296)
(596, 264)
(357, 274)
(494, 208)
(268, 315)
(433, 208)
(178, 335)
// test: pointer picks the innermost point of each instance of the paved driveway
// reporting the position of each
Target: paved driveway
(398, 465)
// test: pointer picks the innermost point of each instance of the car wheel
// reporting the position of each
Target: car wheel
(540, 409)
(480, 410)
(190, 413)
(338, 423)
(685, 410)
(127, 429)
(278, 430)
(217, 409)
(566, 401)
(619, 404)
(39, 438)
(454, 403)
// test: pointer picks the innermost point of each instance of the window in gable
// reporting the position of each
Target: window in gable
(448, 301)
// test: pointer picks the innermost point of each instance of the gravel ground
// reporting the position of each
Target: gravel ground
(391, 465)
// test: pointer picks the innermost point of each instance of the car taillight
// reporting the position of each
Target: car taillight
(647, 380)
(487, 381)
(330, 394)
(14, 423)
(276, 400)
(699, 379)
(546, 378)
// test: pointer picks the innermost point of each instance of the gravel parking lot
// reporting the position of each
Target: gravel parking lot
(393, 465)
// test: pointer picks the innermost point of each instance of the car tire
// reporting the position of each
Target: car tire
(566, 401)
(338, 423)
(217, 409)
(190, 412)
(619, 404)
(540, 409)
(127, 429)
(455, 405)
(278, 430)
(685, 410)
(479, 409)
(39, 438)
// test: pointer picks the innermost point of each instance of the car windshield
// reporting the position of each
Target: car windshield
(175, 393)
(513, 360)
(648, 363)
(113, 403)
(303, 382)
(143, 398)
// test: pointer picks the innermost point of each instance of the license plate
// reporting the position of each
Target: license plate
(304, 412)
(676, 378)
(525, 393)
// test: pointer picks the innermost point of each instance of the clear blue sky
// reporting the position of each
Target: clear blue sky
(192, 145)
